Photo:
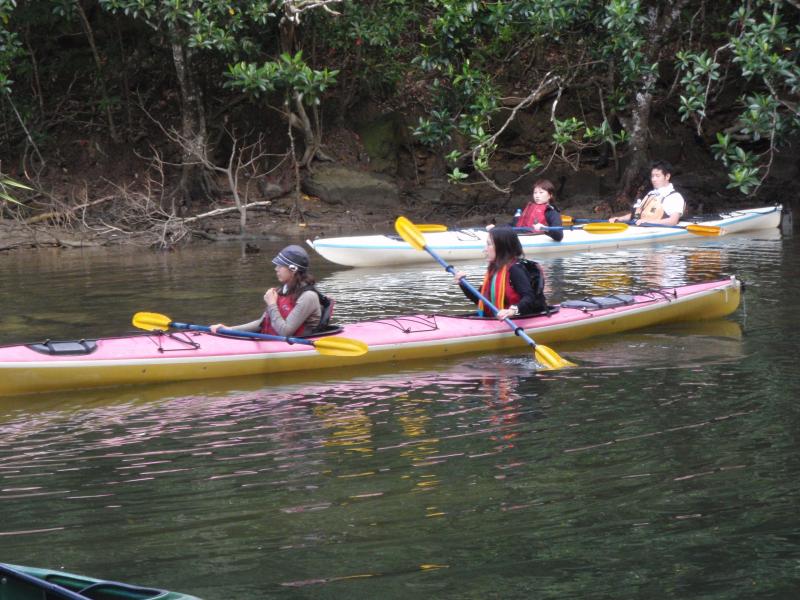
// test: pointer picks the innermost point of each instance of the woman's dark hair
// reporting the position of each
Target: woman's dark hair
(299, 283)
(547, 186)
(507, 247)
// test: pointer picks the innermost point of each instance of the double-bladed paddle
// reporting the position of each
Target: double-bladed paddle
(600, 227)
(596, 227)
(331, 346)
(548, 357)
(706, 230)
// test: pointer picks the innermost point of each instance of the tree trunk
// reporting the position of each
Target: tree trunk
(303, 123)
(126, 93)
(287, 30)
(638, 146)
(98, 63)
(194, 135)
(661, 19)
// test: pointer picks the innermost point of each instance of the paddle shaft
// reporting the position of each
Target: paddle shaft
(545, 228)
(244, 334)
(631, 222)
(451, 269)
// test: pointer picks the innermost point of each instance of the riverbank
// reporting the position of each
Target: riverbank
(356, 193)
(272, 221)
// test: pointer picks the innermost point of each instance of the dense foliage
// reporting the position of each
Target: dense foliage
(464, 69)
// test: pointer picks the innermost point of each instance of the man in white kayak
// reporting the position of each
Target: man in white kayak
(663, 205)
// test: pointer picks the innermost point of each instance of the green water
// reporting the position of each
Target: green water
(664, 466)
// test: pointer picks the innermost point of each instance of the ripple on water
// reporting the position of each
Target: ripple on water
(665, 461)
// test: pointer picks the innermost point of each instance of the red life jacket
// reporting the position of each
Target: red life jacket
(498, 289)
(285, 305)
(533, 214)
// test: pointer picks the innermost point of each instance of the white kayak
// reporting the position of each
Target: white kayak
(468, 244)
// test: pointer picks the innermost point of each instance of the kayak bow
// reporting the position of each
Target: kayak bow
(29, 583)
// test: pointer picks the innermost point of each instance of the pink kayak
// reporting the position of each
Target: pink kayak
(179, 356)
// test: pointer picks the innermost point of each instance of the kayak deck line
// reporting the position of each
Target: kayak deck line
(136, 359)
(468, 243)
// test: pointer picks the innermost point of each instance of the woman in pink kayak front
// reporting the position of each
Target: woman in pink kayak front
(294, 308)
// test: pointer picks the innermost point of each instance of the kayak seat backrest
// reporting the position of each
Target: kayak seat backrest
(547, 310)
(329, 330)
(66, 348)
(600, 302)
(544, 312)
(326, 305)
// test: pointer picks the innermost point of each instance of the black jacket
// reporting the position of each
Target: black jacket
(531, 301)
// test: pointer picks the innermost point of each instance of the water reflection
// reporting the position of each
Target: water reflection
(472, 477)
(98, 291)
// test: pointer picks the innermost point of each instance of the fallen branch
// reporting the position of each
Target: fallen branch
(220, 211)
(64, 215)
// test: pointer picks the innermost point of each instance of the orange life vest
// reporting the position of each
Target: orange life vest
(652, 208)
(498, 289)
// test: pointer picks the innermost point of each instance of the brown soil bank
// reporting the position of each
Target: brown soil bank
(377, 174)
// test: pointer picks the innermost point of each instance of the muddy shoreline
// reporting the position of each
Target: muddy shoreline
(342, 211)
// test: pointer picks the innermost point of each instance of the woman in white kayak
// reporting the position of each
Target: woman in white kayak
(663, 205)
(512, 284)
(296, 307)
(540, 213)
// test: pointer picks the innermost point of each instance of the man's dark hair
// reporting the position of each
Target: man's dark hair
(663, 166)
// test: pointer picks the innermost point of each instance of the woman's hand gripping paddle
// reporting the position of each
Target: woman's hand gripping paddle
(331, 346)
(546, 356)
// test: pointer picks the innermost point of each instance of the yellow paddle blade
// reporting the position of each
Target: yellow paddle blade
(340, 346)
(604, 227)
(567, 220)
(409, 232)
(707, 230)
(550, 358)
(431, 227)
(151, 321)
